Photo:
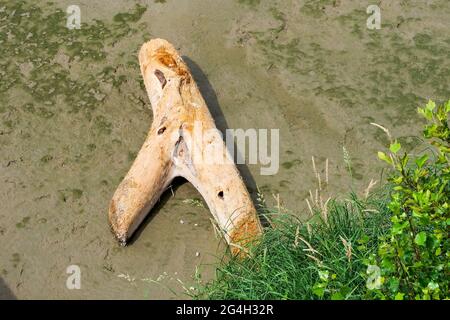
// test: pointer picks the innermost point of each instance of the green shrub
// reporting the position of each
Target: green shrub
(414, 257)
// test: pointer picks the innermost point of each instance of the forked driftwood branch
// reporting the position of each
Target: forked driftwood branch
(175, 148)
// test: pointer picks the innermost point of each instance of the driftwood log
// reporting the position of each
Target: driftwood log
(173, 149)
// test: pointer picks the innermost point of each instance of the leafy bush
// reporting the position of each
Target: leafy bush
(414, 257)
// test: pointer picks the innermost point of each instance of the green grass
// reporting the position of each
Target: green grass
(314, 259)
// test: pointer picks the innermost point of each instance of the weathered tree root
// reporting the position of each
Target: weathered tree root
(173, 149)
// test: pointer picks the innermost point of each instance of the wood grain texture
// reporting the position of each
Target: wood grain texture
(182, 141)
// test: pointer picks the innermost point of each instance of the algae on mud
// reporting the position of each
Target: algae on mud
(73, 113)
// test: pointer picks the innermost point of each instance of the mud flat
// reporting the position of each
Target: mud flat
(74, 112)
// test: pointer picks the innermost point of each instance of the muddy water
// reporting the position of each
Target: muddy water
(73, 114)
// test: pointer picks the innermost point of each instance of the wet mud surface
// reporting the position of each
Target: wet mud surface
(74, 113)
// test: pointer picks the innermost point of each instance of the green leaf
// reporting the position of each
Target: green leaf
(447, 106)
(323, 275)
(397, 228)
(364, 239)
(337, 296)
(420, 238)
(399, 296)
(433, 285)
(318, 289)
(393, 284)
(384, 157)
(395, 147)
(438, 252)
(421, 161)
(427, 114)
(430, 105)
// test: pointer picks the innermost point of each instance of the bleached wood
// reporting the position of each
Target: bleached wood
(173, 149)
